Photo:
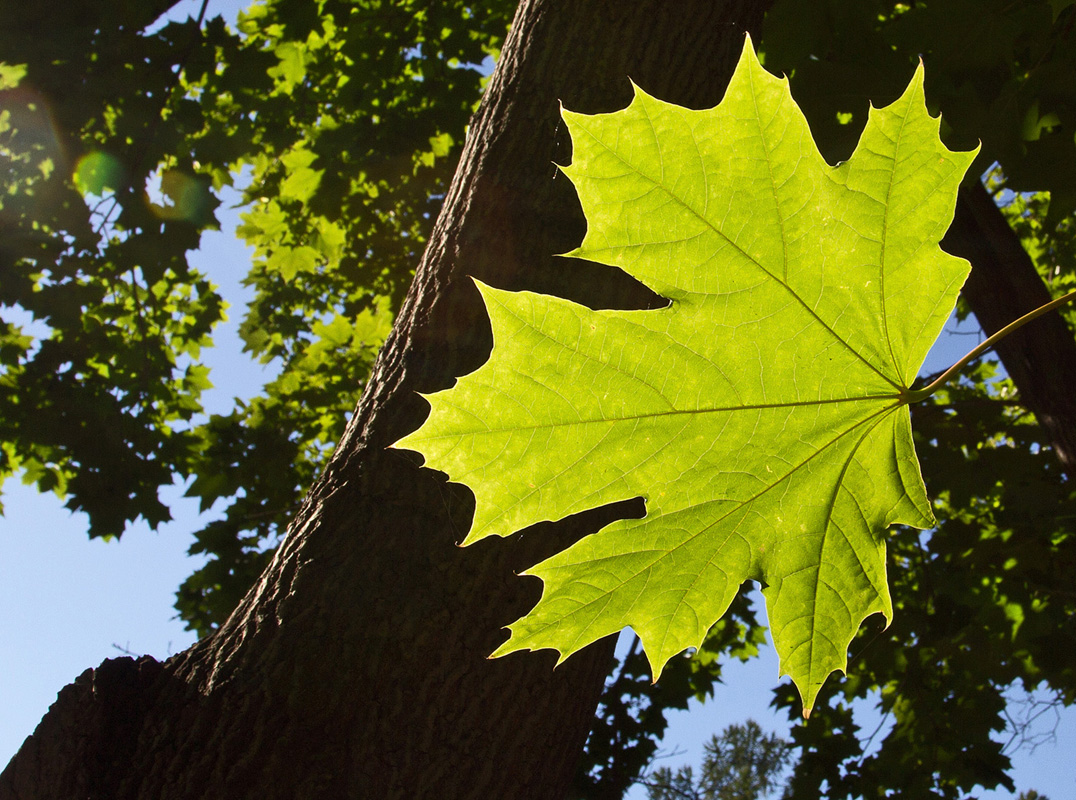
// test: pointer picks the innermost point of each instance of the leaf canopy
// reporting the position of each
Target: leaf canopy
(334, 126)
(761, 414)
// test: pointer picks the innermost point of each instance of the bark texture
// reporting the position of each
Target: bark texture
(356, 667)
(1003, 286)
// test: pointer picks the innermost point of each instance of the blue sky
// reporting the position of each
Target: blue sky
(67, 603)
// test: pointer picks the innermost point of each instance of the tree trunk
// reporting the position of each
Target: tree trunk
(1003, 286)
(357, 666)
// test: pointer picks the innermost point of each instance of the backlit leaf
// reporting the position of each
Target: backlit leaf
(760, 415)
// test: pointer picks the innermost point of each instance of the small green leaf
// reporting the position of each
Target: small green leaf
(761, 415)
(291, 69)
(293, 260)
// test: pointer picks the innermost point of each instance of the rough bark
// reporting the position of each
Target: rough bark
(1003, 286)
(357, 665)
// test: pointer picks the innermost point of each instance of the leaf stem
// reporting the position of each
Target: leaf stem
(914, 396)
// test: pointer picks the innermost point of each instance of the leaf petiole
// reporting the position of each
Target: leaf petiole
(914, 396)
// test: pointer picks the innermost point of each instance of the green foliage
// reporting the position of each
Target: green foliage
(341, 123)
(99, 372)
(743, 763)
(1051, 246)
(761, 415)
(347, 158)
(323, 114)
(350, 157)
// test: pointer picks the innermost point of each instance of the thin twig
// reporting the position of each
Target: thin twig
(921, 394)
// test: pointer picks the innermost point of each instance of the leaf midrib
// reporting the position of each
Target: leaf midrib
(672, 413)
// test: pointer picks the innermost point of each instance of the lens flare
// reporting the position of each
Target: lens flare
(97, 173)
(174, 195)
(30, 151)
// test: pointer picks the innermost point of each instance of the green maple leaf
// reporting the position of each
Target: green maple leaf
(762, 415)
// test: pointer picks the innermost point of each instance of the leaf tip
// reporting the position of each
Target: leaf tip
(657, 663)
(748, 52)
(490, 294)
(473, 535)
(569, 116)
(575, 252)
(505, 648)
